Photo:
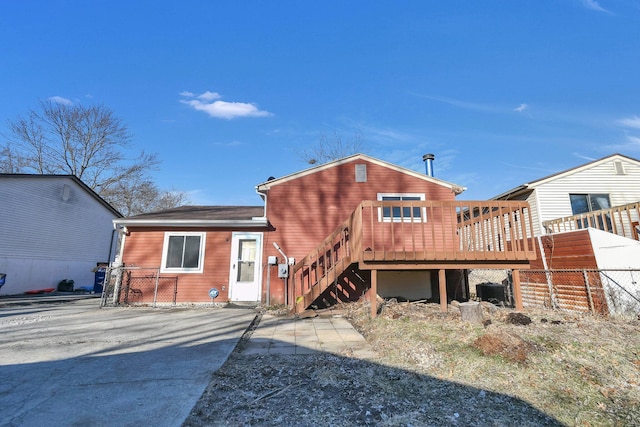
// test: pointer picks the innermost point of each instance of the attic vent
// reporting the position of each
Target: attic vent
(361, 172)
(619, 167)
(66, 193)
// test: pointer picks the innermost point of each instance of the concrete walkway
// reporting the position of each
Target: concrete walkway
(286, 335)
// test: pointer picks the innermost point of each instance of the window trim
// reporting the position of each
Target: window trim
(421, 197)
(165, 251)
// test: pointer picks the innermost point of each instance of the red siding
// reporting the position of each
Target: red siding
(305, 210)
(143, 248)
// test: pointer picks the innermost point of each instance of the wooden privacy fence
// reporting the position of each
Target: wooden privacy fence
(138, 286)
(606, 292)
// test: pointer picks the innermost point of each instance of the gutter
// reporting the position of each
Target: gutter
(211, 223)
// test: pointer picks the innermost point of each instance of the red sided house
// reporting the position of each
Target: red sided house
(334, 232)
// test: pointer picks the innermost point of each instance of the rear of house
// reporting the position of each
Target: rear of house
(254, 254)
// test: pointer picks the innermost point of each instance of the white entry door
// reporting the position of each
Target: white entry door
(245, 278)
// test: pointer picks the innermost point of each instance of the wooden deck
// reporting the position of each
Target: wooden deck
(622, 220)
(395, 235)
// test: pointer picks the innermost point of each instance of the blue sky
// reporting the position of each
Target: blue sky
(227, 93)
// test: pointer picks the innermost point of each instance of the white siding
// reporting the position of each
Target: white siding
(50, 229)
(552, 197)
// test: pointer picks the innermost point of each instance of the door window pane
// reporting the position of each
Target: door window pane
(246, 260)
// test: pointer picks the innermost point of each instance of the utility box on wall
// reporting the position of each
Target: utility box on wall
(283, 271)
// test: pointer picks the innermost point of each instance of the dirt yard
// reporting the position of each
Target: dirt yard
(544, 368)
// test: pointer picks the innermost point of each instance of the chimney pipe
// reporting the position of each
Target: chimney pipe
(428, 161)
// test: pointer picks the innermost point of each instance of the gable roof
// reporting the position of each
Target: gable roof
(73, 178)
(199, 216)
(457, 189)
(530, 186)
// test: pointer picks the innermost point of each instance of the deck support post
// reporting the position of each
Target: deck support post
(517, 292)
(373, 293)
(442, 282)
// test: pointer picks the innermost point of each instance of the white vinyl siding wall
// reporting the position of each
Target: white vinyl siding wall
(552, 197)
(49, 233)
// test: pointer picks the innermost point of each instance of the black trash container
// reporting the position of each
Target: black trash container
(491, 292)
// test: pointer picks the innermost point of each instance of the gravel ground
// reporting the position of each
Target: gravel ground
(337, 390)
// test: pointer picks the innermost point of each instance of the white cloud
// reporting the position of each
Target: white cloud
(209, 96)
(631, 122)
(60, 100)
(221, 109)
(593, 5)
(520, 108)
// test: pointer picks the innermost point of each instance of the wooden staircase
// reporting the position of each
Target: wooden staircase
(323, 268)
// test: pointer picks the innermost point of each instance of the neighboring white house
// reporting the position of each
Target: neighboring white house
(52, 227)
(611, 181)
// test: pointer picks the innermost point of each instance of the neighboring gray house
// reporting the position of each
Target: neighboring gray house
(601, 184)
(52, 227)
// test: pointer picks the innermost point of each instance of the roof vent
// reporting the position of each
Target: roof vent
(428, 162)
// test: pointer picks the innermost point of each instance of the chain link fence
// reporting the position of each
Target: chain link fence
(605, 292)
(138, 286)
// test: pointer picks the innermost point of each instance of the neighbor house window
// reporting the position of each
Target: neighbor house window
(183, 252)
(585, 203)
(582, 203)
(402, 213)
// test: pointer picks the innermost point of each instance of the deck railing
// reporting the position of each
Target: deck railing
(446, 231)
(622, 220)
(417, 233)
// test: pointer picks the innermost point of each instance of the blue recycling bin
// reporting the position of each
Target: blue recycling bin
(98, 281)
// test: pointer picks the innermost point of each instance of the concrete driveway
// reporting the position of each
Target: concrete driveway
(68, 362)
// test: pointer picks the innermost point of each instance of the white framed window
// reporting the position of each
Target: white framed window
(183, 252)
(401, 214)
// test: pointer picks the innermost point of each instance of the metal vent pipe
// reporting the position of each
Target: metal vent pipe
(428, 161)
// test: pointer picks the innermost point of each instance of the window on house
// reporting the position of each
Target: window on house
(585, 203)
(582, 203)
(402, 213)
(183, 252)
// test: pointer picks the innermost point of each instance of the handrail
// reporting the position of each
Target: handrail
(622, 220)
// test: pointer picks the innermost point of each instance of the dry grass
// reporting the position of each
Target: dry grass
(581, 370)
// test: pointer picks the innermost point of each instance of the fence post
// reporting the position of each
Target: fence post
(586, 283)
(155, 292)
(116, 289)
(517, 292)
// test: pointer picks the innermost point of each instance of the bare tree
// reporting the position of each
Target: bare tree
(89, 142)
(330, 148)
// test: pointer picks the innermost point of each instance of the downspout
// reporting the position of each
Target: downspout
(264, 197)
(116, 291)
(113, 234)
(264, 215)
